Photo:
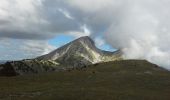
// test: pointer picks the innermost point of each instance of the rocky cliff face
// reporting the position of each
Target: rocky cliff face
(76, 54)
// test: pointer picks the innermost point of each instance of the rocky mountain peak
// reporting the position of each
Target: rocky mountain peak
(85, 39)
(80, 52)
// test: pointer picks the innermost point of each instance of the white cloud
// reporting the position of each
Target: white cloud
(66, 13)
(140, 27)
(91, 6)
(85, 31)
(14, 49)
(99, 41)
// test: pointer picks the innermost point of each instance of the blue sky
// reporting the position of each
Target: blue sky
(62, 39)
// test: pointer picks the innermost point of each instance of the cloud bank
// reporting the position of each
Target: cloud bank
(141, 28)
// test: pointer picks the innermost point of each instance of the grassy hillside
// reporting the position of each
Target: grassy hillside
(120, 80)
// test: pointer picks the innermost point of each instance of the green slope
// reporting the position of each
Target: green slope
(120, 80)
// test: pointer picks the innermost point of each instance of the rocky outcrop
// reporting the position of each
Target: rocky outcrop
(14, 68)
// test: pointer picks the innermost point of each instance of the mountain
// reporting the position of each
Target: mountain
(76, 54)
(81, 52)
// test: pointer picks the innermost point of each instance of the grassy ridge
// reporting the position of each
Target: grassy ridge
(120, 80)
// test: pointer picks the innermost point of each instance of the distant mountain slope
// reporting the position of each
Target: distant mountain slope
(77, 54)
(14, 68)
(81, 52)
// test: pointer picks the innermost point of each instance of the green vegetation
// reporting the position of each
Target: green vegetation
(119, 80)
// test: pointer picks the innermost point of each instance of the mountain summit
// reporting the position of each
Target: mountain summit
(81, 52)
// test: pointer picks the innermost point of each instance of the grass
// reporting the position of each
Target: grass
(120, 80)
